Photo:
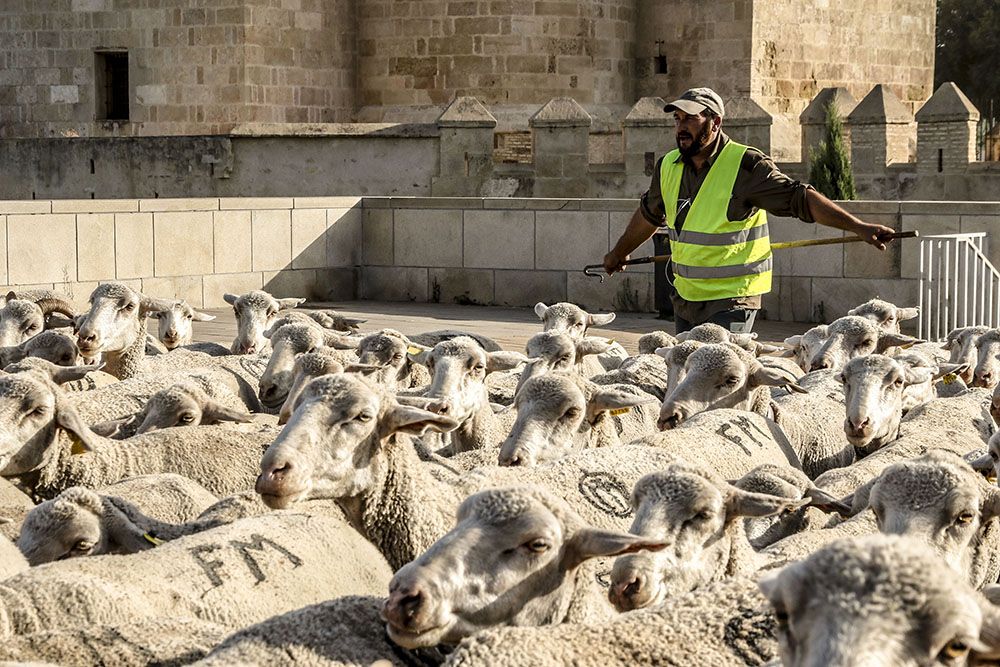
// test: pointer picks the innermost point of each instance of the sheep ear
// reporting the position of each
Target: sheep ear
(339, 342)
(861, 498)
(504, 361)
(775, 377)
(149, 304)
(743, 339)
(363, 369)
(614, 401)
(540, 310)
(663, 352)
(888, 339)
(916, 375)
(84, 440)
(284, 304)
(202, 317)
(592, 345)
(64, 374)
(793, 341)
(129, 537)
(414, 421)
(216, 412)
(984, 464)
(683, 336)
(990, 507)
(825, 502)
(600, 319)
(111, 428)
(907, 313)
(944, 370)
(747, 503)
(767, 348)
(230, 298)
(989, 631)
(353, 322)
(418, 354)
(589, 543)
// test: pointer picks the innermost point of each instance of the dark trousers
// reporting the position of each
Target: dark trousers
(737, 320)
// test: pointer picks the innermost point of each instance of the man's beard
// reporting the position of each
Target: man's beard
(699, 142)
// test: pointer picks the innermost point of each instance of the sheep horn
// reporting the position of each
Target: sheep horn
(55, 305)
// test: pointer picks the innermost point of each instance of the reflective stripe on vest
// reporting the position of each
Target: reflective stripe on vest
(713, 257)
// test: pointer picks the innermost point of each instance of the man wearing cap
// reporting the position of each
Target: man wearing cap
(711, 195)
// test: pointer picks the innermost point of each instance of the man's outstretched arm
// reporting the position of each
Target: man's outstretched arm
(638, 231)
(825, 212)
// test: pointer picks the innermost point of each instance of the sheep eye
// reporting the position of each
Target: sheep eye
(538, 546)
(82, 545)
(993, 455)
(866, 343)
(188, 317)
(187, 417)
(965, 518)
(363, 417)
(564, 358)
(397, 357)
(956, 648)
(701, 516)
(271, 313)
(898, 382)
(731, 380)
(128, 307)
(572, 413)
(479, 367)
(781, 617)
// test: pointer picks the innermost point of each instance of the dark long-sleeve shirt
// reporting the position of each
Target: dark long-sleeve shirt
(759, 185)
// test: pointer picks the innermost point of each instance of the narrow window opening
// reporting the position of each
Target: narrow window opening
(940, 160)
(660, 64)
(92, 166)
(111, 82)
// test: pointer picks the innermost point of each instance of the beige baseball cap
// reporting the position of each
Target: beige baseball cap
(696, 100)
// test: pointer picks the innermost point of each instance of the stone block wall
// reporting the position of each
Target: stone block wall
(192, 69)
(801, 47)
(420, 52)
(193, 249)
(466, 250)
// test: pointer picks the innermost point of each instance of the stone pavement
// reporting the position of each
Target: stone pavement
(510, 327)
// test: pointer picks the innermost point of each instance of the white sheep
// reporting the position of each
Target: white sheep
(513, 558)
(575, 321)
(337, 445)
(886, 315)
(80, 522)
(287, 342)
(889, 599)
(987, 373)
(961, 344)
(115, 326)
(255, 313)
(232, 575)
(803, 347)
(654, 340)
(25, 314)
(558, 413)
(174, 325)
(697, 515)
(853, 336)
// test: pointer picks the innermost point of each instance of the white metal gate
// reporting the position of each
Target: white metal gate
(959, 287)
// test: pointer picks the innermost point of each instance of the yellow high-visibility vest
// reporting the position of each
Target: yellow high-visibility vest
(713, 257)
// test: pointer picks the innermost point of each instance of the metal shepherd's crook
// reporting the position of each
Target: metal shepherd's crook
(597, 270)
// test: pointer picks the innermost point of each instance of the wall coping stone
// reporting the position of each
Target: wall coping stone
(466, 112)
(815, 113)
(948, 103)
(561, 112)
(648, 112)
(387, 130)
(25, 206)
(745, 112)
(879, 106)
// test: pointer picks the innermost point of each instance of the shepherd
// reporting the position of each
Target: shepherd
(712, 195)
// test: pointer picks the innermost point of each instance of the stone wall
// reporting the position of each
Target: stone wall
(194, 249)
(192, 70)
(485, 251)
(802, 46)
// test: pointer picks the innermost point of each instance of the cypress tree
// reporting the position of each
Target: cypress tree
(830, 165)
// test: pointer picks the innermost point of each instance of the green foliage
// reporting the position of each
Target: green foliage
(830, 166)
(968, 50)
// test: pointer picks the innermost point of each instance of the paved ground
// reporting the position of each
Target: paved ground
(511, 327)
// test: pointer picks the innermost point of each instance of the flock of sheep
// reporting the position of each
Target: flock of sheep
(319, 495)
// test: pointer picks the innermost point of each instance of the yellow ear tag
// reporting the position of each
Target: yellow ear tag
(78, 447)
(155, 541)
(949, 378)
(619, 411)
(413, 350)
